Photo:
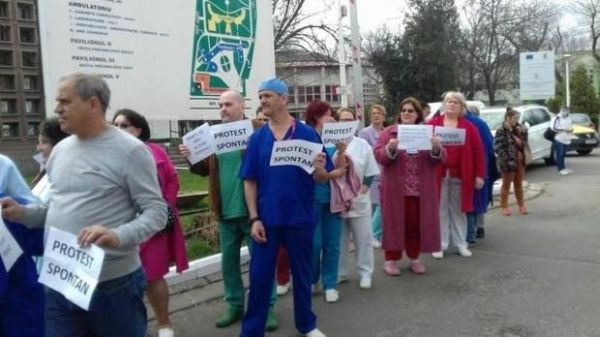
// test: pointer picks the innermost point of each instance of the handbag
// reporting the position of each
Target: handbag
(549, 134)
(171, 219)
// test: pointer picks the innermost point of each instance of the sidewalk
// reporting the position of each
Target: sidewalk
(199, 290)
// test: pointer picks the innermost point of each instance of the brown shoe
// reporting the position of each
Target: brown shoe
(523, 210)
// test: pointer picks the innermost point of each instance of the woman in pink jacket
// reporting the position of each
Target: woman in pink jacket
(167, 246)
(409, 193)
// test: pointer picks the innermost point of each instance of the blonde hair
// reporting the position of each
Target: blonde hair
(459, 97)
(377, 107)
(340, 110)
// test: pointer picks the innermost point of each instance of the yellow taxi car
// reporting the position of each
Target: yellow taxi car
(583, 140)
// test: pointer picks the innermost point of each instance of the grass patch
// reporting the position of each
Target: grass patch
(198, 248)
(189, 182)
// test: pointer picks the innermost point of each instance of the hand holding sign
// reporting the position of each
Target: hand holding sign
(200, 142)
(70, 269)
(99, 235)
(334, 133)
(11, 210)
(413, 138)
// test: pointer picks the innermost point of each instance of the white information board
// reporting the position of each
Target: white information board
(536, 75)
(165, 60)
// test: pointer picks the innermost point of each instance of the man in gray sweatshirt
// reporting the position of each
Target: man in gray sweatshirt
(104, 189)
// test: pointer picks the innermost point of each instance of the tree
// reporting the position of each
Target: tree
(582, 92)
(431, 39)
(496, 31)
(386, 54)
(293, 28)
(589, 11)
(583, 95)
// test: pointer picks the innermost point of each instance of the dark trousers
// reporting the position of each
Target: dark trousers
(298, 242)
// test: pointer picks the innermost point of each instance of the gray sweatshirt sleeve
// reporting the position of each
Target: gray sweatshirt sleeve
(144, 190)
(35, 215)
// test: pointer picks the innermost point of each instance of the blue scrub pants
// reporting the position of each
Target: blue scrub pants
(298, 242)
(326, 247)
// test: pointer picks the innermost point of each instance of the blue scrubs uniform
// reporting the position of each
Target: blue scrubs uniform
(286, 207)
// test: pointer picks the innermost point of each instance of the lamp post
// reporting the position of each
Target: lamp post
(342, 55)
(567, 92)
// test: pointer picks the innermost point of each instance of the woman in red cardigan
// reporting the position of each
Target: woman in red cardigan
(409, 193)
(463, 172)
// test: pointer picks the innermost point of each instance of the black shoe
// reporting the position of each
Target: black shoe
(480, 233)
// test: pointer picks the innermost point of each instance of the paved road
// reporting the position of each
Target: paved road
(534, 275)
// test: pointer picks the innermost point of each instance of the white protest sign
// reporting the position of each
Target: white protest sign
(334, 133)
(39, 158)
(200, 142)
(70, 269)
(414, 137)
(450, 136)
(10, 251)
(295, 152)
(232, 136)
(42, 189)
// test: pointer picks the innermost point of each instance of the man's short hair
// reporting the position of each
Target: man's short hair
(87, 86)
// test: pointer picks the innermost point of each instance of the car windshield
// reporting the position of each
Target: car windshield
(578, 118)
(494, 120)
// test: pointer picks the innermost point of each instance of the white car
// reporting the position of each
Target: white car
(536, 118)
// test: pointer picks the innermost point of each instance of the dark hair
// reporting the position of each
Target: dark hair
(314, 111)
(416, 104)
(136, 120)
(51, 130)
(510, 113)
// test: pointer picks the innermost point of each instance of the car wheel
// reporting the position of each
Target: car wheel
(584, 152)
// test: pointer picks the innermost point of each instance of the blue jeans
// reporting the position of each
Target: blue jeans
(326, 247)
(560, 152)
(117, 310)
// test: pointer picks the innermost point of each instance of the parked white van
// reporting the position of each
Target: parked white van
(536, 118)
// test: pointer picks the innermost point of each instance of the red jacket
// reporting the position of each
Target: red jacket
(472, 161)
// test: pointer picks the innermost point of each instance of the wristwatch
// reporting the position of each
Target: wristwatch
(253, 220)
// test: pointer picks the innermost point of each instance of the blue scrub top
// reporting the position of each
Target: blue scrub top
(286, 194)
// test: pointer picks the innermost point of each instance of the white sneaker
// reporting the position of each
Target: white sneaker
(316, 288)
(166, 332)
(315, 333)
(332, 296)
(365, 283)
(283, 289)
(564, 172)
(569, 170)
(464, 252)
(376, 244)
(438, 255)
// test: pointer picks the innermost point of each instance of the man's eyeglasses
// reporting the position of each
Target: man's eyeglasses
(262, 119)
(122, 125)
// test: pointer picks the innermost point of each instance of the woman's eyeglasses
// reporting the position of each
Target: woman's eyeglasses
(122, 125)
(408, 111)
